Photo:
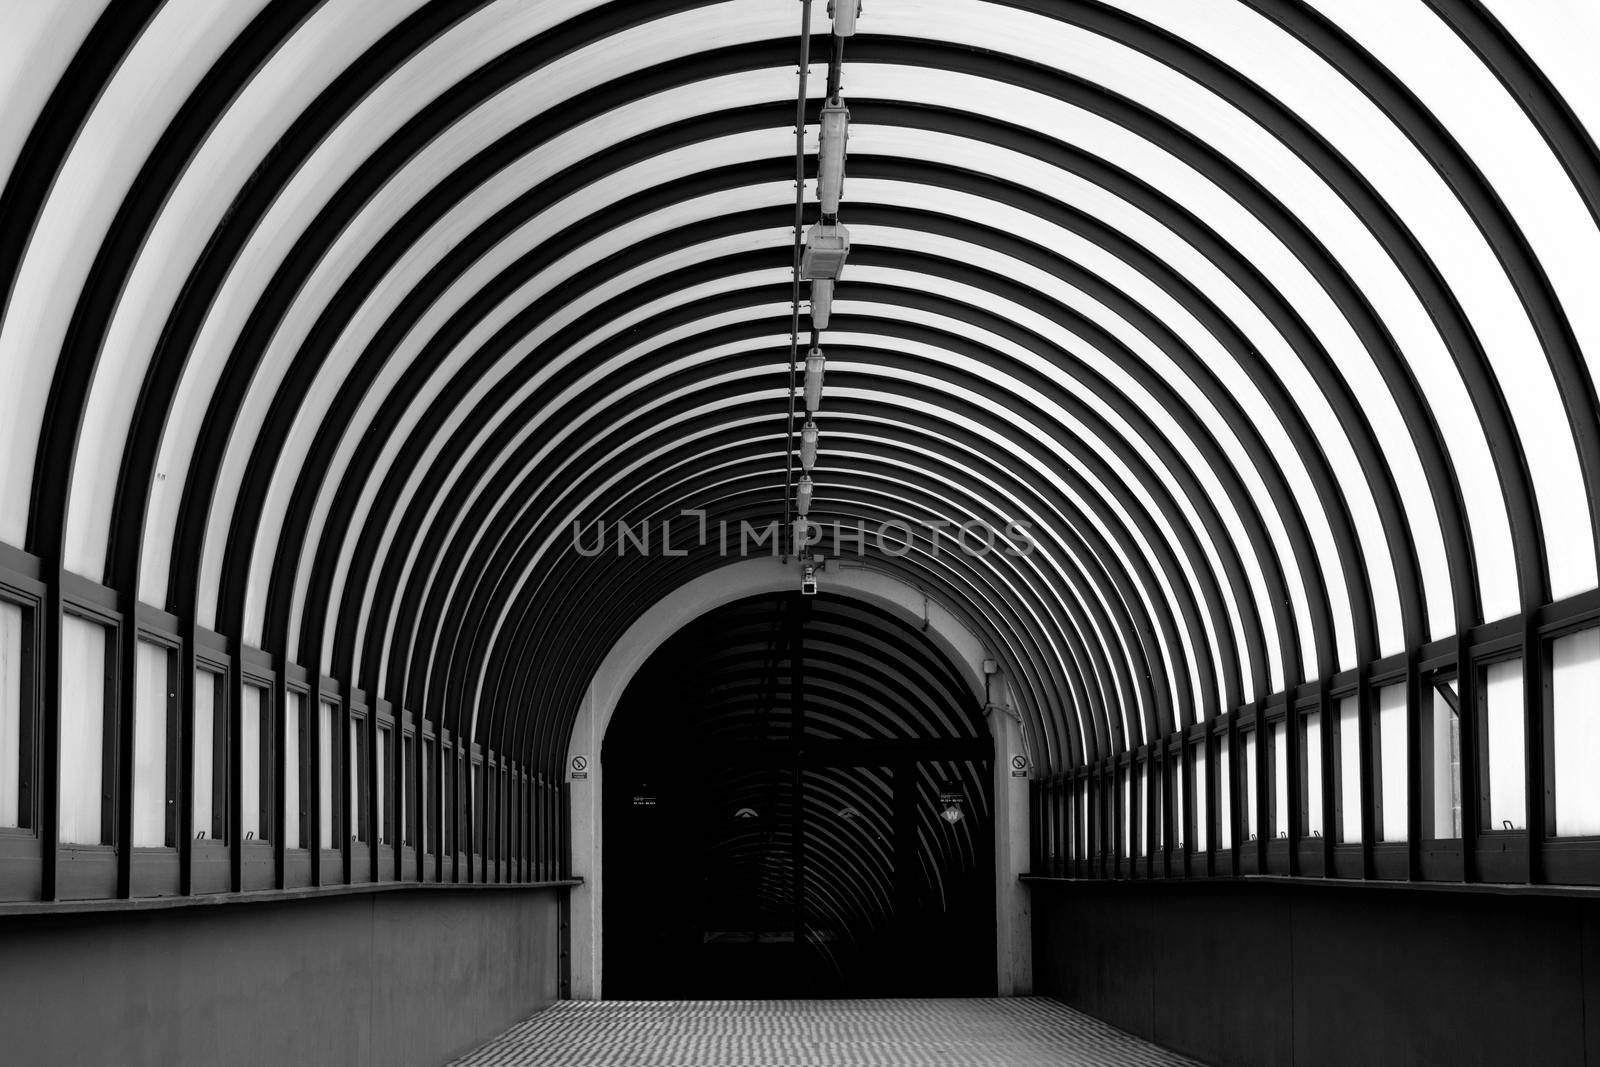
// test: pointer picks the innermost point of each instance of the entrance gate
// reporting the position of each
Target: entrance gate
(798, 803)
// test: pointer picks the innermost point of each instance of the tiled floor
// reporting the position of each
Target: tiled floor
(1022, 1032)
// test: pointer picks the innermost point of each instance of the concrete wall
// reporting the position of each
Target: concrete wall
(1274, 974)
(395, 978)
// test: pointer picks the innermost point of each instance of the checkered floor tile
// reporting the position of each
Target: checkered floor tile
(1020, 1032)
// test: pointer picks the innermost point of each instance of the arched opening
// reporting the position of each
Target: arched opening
(799, 802)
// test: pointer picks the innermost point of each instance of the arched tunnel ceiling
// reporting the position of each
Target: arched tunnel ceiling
(1273, 320)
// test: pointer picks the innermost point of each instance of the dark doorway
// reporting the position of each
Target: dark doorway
(798, 803)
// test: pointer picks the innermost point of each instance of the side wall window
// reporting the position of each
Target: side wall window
(1500, 696)
(326, 823)
(1575, 730)
(154, 798)
(84, 788)
(1392, 761)
(294, 771)
(210, 756)
(255, 764)
(15, 758)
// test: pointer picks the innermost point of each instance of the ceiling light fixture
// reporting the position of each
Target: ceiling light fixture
(821, 303)
(827, 247)
(816, 363)
(835, 136)
(808, 446)
(844, 14)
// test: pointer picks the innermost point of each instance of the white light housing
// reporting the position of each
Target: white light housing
(844, 14)
(816, 363)
(808, 445)
(821, 303)
(827, 247)
(802, 496)
(834, 137)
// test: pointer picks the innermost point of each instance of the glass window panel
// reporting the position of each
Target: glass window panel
(11, 756)
(358, 763)
(151, 712)
(1144, 795)
(328, 738)
(383, 785)
(449, 790)
(1575, 679)
(83, 729)
(1083, 819)
(1312, 778)
(1057, 806)
(255, 746)
(1225, 791)
(1280, 778)
(1349, 770)
(1441, 764)
(1180, 836)
(475, 783)
(293, 772)
(1251, 786)
(1158, 805)
(1392, 760)
(1201, 810)
(1501, 689)
(407, 777)
(425, 808)
(1125, 844)
(207, 815)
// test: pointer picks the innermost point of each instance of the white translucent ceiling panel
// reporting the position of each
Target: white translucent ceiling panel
(1046, 521)
(1052, 556)
(1008, 219)
(151, 84)
(1113, 211)
(559, 475)
(38, 43)
(563, 318)
(1299, 287)
(848, 497)
(1445, 74)
(514, 357)
(709, 357)
(557, 448)
(449, 58)
(1025, 358)
(1343, 114)
(445, 234)
(1108, 366)
(642, 457)
(674, 166)
(1559, 35)
(569, 265)
(1106, 502)
(335, 35)
(627, 322)
(1258, 153)
(440, 157)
